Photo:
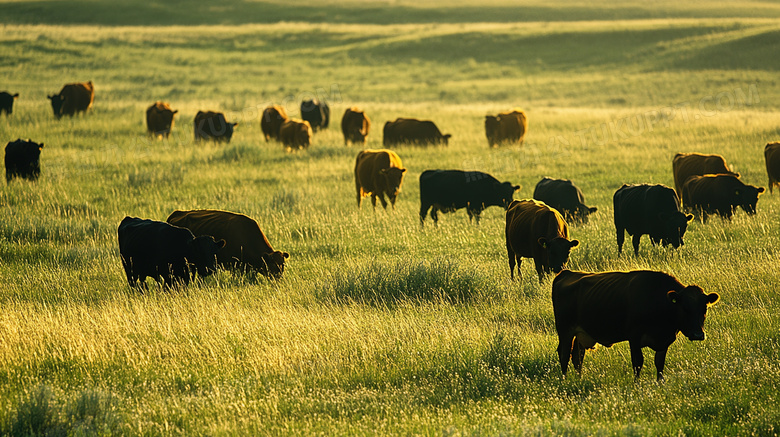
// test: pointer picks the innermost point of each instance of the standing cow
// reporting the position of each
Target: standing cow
(772, 157)
(245, 243)
(271, 122)
(534, 230)
(7, 102)
(163, 251)
(22, 160)
(565, 197)
(450, 190)
(685, 165)
(211, 125)
(316, 112)
(506, 127)
(295, 134)
(719, 194)
(72, 99)
(644, 308)
(649, 209)
(159, 119)
(355, 126)
(378, 173)
(413, 131)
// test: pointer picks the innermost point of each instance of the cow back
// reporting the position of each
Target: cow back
(685, 165)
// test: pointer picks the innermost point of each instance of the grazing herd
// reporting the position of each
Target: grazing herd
(645, 308)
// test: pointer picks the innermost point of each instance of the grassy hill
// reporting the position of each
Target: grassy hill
(379, 326)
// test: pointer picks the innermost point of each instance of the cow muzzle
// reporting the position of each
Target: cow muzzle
(699, 336)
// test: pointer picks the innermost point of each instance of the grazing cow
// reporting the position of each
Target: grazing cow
(295, 134)
(772, 157)
(22, 160)
(719, 194)
(245, 243)
(450, 190)
(213, 126)
(7, 102)
(355, 125)
(645, 308)
(160, 250)
(566, 197)
(159, 119)
(73, 98)
(378, 173)
(506, 127)
(273, 118)
(649, 209)
(412, 131)
(316, 112)
(685, 165)
(534, 230)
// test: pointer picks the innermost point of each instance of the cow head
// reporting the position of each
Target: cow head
(394, 178)
(229, 131)
(446, 139)
(691, 305)
(202, 254)
(56, 104)
(504, 193)
(274, 264)
(558, 250)
(674, 226)
(746, 197)
(582, 213)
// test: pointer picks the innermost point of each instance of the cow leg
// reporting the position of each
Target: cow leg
(423, 212)
(381, 197)
(635, 241)
(637, 359)
(565, 351)
(660, 360)
(512, 261)
(373, 200)
(577, 355)
(359, 193)
(539, 270)
(435, 215)
(477, 215)
(621, 237)
(471, 215)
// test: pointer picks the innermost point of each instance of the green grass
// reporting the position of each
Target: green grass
(379, 326)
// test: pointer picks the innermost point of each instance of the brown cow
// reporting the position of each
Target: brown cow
(719, 194)
(685, 165)
(772, 157)
(273, 118)
(378, 173)
(295, 134)
(245, 243)
(534, 230)
(213, 126)
(73, 98)
(413, 131)
(355, 126)
(506, 127)
(645, 308)
(159, 119)
(7, 102)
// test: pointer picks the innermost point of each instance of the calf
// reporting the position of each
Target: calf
(565, 197)
(645, 308)
(534, 230)
(7, 102)
(450, 190)
(295, 134)
(378, 173)
(719, 194)
(159, 119)
(23, 160)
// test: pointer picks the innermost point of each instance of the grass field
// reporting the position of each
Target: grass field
(378, 326)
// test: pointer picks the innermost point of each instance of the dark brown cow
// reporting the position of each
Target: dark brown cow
(772, 157)
(211, 125)
(295, 134)
(273, 118)
(159, 119)
(355, 126)
(506, 127)
(645, 308)
(412, 131)
(245, 243)
(378, 173)
(7, 102)
(719, 194)
(685, 165)
(534, 230)
(73, 98)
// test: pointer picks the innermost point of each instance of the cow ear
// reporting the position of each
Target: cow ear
(403, 170)
(40, 146)
(516, 187)
(593, 209)
(235, 124)
(542, 242)
(285, 254)
(175, 112)
(689, 217)
(713, 298)
(574, 243)
(760, 190)
(221, 243)
(673, 296)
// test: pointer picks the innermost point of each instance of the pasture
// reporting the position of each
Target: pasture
(379, 326)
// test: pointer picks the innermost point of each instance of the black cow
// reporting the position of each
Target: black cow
(7, 102)
(645, 308)
(564, 196)
(22, 160)
(449, 190)
(160, 250)
(211, 125)
(316, 112)
(649, 209)
(719, 194)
